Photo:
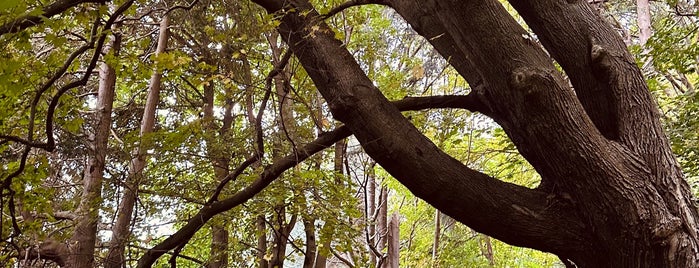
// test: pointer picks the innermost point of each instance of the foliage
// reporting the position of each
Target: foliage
(226, 50)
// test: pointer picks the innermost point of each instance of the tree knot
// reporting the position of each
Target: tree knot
(665, 229)
(528, 79)
(345, 103)
(601, 61)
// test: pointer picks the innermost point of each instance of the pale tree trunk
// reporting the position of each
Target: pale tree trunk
(120, 230)
(437, 234)
(644, 21)
(338, 158)
(393, 239)
(82, 242)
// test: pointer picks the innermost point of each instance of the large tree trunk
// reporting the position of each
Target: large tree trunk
(82, 245)
(612, 194)
(120, 230)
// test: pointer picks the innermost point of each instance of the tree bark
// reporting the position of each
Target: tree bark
(281, 236)
(261, 242)
(644, 21)
(371, 212)
(437, 235)
(393, 238)
(219, 246)
(487, 249)
(120, 231)
(82, 242)
(311, 247)
(218, 256)
(382, 221)
(614, 197)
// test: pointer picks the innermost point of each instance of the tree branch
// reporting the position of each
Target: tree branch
(273, 171)
(411, 157)
(348, 4)
(49, 11)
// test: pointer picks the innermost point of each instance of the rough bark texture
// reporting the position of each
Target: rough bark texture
(612, 194)
(120, 230)
(82, 242)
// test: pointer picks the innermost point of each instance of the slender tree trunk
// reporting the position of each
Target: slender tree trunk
(644, 21)
(261, 242)
(218, 257)
(371, 211)
(437, 234)
(281, 237)
(311, 247)
(82, 245)
(287, 126)
(219, 246)
(338, 160)
(487, 249)
(120, 231)
(260, 220)
(382, 220)
(393, 239)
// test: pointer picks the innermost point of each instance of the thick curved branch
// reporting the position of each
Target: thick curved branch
(348, 4)
(409, 156)
(49, 250)
(51, 10)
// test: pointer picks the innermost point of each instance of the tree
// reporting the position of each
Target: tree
(568, 95)
(612, 193)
